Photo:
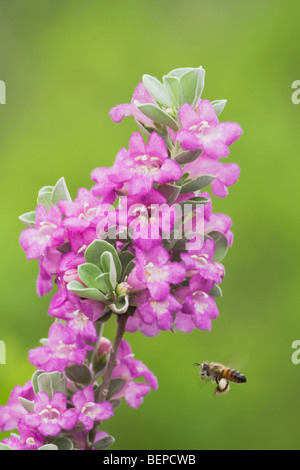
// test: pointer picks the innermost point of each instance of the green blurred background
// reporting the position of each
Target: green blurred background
(65, 64)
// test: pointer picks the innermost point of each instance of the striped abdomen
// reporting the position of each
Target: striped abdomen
(233, 376)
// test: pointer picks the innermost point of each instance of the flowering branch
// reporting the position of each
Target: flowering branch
(144, 245)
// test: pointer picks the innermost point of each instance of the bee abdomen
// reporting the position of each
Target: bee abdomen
(233, 376)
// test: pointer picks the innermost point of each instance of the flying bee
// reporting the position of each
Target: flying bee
(221, 375)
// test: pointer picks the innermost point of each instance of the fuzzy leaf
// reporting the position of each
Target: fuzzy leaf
(60, 192)
(197, 184)
(27, 404)
(128, 270)
(50, 382)
(34, 380)
(170, 191)
(120, 306)
(157, 115)
(108, 266)
(157, 90)
(104, 443)
(63, 443)
(96, 249)
(115, 386)
(221, 245)
(219, 105)
(171, 84)
(88, 273)
(48, 447)
(177, 73)
(79, 374)
(4, 447)
(85, 292)
(190, 86)
(104, 283)
(28, 219)
(187, 156)
(45, 197)
(216, 291)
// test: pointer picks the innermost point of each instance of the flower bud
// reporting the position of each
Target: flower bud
(123, 288)
(104, 348)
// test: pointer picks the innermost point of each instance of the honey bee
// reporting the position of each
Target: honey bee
(221, 375)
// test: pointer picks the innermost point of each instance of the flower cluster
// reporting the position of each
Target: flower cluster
(143, 246)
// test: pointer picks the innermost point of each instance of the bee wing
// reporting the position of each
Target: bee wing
(235, 361)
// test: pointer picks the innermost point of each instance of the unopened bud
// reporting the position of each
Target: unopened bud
(123, 288)
(104, 348)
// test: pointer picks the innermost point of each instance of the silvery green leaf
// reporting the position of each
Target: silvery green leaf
(216, 291)
(219, 105)
(125, 258)
(34, 380)
(187, 156)
(79, 374)
(88, 273)
(103, 283)
(60, 192)
(115, 386)
(104, 443)
(190, 87)
(96, 249)
(120, 306)
(28, 219)
(177, 73)
(221, 245)
(44, 342)
(157, 115)
(48, 447)
(27, 404)
(108, 266)
(99, 365)
(145, 130)
(128, 270)
(194, 202)
(50, 383)
(63, 443)
(170, 191)
(85, 292)
(157, 90)
(4, 447)
(196, 184)
(171, 84)
(45, 196)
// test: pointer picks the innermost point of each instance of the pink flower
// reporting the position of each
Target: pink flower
(51, 416)
(129, 369)
(11, 413)
(88, 410)
(158, 312)
(65, 348)
(226, 174)
(201, 262)
(123, 110)
(198, 307)
(154, 271)
(46, 233)
(203, 130)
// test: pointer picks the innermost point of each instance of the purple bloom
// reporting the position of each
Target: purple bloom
(158, 312)
(141, 95)
(80, 214)
(46, 233)
(135, 170)
(201, 262)
(129, 369)
(79, 314)
(88, 410)
(203, 130)
(198, 307)
(51, 416)
(30, 438)
(65, 348)
(226, 174)
(154, 271)
(11, 413)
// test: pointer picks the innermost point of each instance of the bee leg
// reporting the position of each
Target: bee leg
(222, 388)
